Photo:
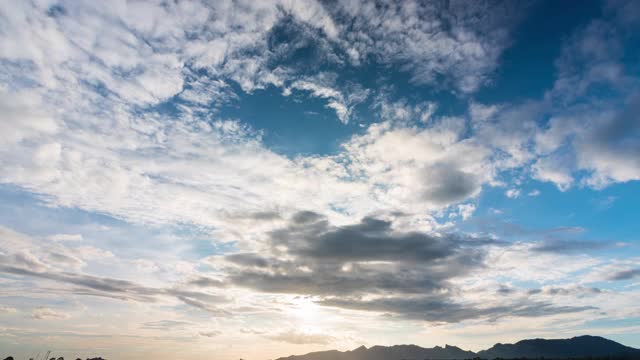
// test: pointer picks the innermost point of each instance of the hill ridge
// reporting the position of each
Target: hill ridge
(582, 346)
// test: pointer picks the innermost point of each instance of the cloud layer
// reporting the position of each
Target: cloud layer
(151, 196)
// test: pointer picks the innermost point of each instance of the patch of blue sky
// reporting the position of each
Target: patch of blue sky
(298, 124)
(596, 215)
(527, 69)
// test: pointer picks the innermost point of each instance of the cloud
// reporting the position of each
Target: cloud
(412, 161)
(370, 240)
(466, 210)
(323, 86)
(460, 42)
(19, 258)
(627, 12)
(610, 147)
(513, 193)
(61, 254)
(534, 192)
(203, 281)
(509, 260)
(45, 313)
(603, 147)
(4, 309)
(566, 291)
(371, 266)
(66, 237)
(569, 246)
(165, 324)
(450, 185)
(600, 141)
(625, 274)
(210, 334)
(442, 309)
(447, 170)
(300, 338)
(149, 156)
(120, 289)
(127, 100)
(366, 257)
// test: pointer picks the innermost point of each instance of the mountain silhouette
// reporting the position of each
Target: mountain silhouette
(398, 352)
(577, 347)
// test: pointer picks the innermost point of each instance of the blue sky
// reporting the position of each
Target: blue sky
(257, 179)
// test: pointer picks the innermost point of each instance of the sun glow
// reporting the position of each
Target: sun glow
(305, 311)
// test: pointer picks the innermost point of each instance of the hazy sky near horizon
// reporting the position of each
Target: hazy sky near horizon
(254, 179)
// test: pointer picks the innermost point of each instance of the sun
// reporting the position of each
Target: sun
(305, 310)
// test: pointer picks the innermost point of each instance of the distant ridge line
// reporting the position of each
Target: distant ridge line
(579, 347)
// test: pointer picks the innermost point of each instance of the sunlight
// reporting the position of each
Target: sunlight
(305, 311)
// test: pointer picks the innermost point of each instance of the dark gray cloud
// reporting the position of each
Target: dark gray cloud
(506, 290)
(203, 305)
(569, 246)
(203, 281)
(622, 131)
(625, 274)
(248, 259)
(370, 240)
(441, 308)
(618, 139)
(449, 185)
(405, 273)
(331, 281)
(564, 291)
(366, 257)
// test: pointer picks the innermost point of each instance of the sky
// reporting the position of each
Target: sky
(254, 179)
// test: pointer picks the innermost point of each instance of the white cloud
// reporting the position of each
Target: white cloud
(322, 86)
(466, 210)
(299, 338)
(585, 134)
(521, 263)
(4, 309)
(461, 42)
(512, 193)
(66, 237)
(45, 313)
(554, 169)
